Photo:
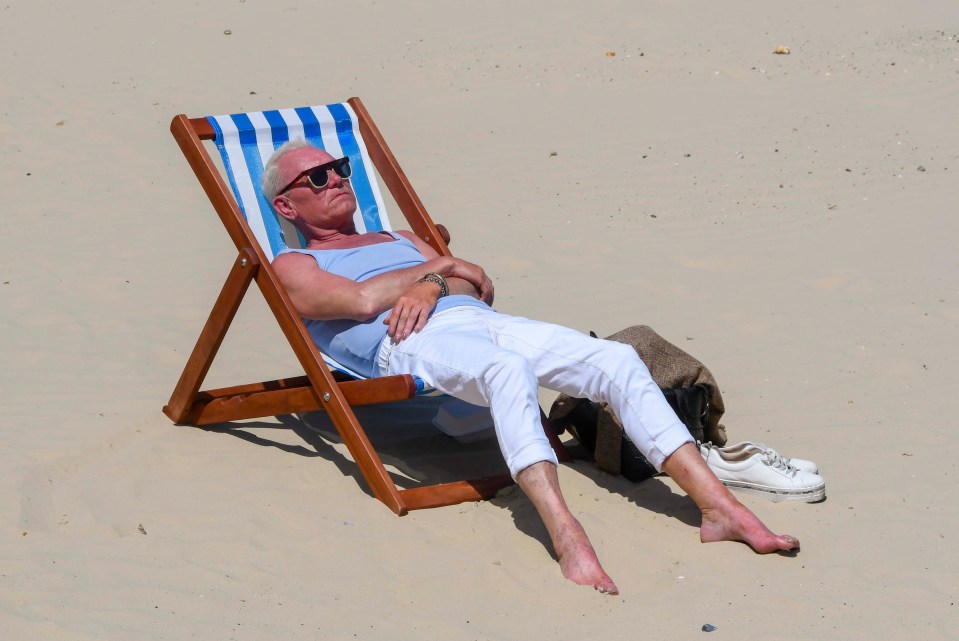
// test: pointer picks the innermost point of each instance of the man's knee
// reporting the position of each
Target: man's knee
(509, 365)
(620, 355)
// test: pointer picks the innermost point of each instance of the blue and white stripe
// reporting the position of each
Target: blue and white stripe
(246, 142)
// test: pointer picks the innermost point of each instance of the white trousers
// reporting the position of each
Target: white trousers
(499, 361)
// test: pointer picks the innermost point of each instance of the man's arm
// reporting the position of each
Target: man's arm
(412, 309)
(471, 279)
(320, 295)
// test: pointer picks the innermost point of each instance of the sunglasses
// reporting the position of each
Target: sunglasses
(319, 176)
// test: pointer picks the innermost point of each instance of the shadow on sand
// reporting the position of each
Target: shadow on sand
(416, 453)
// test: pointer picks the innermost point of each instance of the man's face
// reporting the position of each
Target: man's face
(326, 207)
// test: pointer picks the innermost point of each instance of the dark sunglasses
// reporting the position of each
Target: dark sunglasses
(319, 176)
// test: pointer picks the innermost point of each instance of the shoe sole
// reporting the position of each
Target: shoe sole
(812, 495)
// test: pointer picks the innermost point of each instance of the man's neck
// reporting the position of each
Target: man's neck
(343, 239)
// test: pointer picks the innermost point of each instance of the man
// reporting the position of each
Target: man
(385, 303)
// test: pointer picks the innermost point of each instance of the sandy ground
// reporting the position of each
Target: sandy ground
(783, 217)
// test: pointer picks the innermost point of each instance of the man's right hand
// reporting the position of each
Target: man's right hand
(475, 275)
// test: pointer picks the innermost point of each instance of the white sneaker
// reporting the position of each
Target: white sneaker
(800, 464)
(763, 473)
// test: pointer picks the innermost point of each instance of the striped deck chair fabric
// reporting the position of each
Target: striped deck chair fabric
(246, 141)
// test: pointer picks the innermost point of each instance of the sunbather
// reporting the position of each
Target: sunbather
(385, 303)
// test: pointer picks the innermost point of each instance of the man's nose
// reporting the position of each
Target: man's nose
(334, 178)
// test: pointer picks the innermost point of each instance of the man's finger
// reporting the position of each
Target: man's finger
(421, 320)
(390, 322)
(395, 321)
(403, 328)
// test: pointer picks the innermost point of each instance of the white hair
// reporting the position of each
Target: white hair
(271, 172)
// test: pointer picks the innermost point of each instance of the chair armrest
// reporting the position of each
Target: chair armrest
(444, 233)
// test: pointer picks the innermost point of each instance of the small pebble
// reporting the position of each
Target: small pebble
(708, 628)
(227, 32)
(921, 168)
(781, 50)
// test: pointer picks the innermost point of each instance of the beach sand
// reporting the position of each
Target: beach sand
(785, 218)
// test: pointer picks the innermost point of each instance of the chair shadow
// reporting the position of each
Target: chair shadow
(651, 494)
(414, 451)
(314, 446)
(416, 454)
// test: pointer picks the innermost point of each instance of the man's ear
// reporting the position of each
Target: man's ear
(284, 208)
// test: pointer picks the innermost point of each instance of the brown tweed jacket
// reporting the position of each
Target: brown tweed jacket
(670, 367)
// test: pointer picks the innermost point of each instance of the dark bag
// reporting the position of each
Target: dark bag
(691, 405)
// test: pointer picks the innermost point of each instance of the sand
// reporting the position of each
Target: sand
(785, 218)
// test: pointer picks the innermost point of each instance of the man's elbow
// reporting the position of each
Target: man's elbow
(362, 309)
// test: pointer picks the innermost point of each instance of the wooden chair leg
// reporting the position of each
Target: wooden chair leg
(224, 310)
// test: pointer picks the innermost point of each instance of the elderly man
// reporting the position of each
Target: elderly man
(385, 303)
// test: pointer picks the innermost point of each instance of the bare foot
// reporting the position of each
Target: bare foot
(724, 518)
(737, 523)
(578, 560)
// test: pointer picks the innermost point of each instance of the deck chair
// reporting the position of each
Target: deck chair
(245, 142)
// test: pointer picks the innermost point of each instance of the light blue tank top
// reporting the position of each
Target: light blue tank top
(354, 343)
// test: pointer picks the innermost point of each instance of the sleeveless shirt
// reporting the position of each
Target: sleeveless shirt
(355, 343)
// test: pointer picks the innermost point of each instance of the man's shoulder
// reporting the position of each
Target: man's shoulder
(293, 256)
(408, 235)
(292, 261)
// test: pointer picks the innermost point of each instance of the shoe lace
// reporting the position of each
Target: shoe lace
(766, 448)
(774, 459)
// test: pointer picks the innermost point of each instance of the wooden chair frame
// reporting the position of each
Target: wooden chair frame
(320, 388)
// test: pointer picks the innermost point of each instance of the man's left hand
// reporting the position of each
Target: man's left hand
(411, 311)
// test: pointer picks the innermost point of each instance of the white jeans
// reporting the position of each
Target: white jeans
(499, 361)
